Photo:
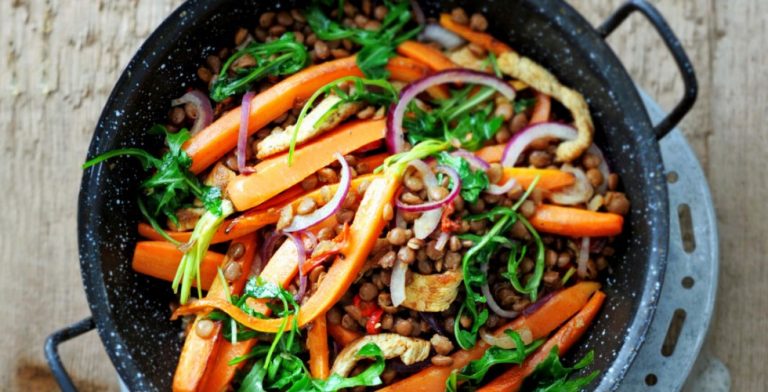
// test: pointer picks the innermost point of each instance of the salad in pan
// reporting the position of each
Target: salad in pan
(354, 197)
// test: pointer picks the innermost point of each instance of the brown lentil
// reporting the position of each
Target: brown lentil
(465, 321)
(380, 12)
(478, 22)
(495, 173)
(452, 260)
(348, 322)
(232, 271)
(595, 177)
(591, 161)
(441, 344)
(368, 291)
(540, 159)
(309, 183)
(284, 19)
(410, 198)
(236, 251)
(617, 203)
(528, 208)
(387, 321)
(454, 243)
(505, 110)
(406, 255)
(266, 19)
(177, 116)
(327, 175)
(415, 243)
(432, 251)
(519, 121)
(388, 259)
(306, 206)
(321, 50)
(387, 212)
(563, 259)
(286, 217)
(503, 135)
(397, 236)
(404, 327)
(345, 216)
(459, 16)
(424, 267)
(413, 183)
(613, 181)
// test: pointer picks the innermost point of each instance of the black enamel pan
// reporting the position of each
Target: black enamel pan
(131, 311)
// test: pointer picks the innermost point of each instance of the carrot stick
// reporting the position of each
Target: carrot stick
(317, 344)
(274, 175)
(160, 259)
(342, 336)
(428, 55)
(258, 220)
(484, 40)
(576, 222)
(280, 270)
(491, 154)
(549, 179)
(564, 339)
(198, 350)
(541, 109)
(213, 142)
(537, 325)
(364, 232)
(290, 194)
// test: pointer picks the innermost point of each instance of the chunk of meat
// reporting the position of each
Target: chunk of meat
(536, 76)
(465, 58)
(432, 293)
(331, 111)
(410, 351)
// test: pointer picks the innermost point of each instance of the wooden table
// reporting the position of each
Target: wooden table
(60, 59)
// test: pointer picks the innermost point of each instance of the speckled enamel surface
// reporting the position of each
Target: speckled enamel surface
(131, 311)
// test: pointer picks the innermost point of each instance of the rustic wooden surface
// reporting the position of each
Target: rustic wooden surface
(60, 59)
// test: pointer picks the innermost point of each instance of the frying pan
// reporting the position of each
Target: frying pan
(130, 311)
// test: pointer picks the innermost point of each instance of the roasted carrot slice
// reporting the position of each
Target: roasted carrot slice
(541, 109)
(492, 153)
(197, 349)
(317, 345)
(160, 259)
(364, 231)
(564, 339)
(280, 270)
(486, 41)
(342, 336)
(274, 175)
(213, 142)
(428, 55)
(537, 325)
(549, 179)
(576, 222)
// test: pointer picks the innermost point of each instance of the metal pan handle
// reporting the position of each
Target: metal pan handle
(52, 351)
(674, 47)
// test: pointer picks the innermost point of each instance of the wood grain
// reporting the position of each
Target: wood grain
(60, 59)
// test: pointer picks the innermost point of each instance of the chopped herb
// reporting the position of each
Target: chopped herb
(378, 46)
(524, 104)
(283, 56)
(473, 374)
(374, 92)
(503, 218)
(551, 376)
(473, 181)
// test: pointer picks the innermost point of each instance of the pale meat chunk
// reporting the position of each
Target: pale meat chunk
(410, 351)
(432, 293)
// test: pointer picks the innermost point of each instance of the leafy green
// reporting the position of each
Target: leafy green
(522, 105)
(531, 287)
(378, 46)
(283, 56)
(171, 186)
(374, 92)
(475, 371)
(551, 376)
(396, 163)
(473, 182)
(368, 377)
(503, 218)
(464, 119)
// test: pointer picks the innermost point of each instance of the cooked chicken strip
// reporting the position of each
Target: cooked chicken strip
(410, 351)
(432, 293)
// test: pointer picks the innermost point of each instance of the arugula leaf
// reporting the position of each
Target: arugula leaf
(473, 182)
(283, 56)
(552, 376)
(475, 371)
(378, 46)
(368, 377)
(254, 381)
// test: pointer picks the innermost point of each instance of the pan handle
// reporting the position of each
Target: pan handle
(674, 47)
(52, 351)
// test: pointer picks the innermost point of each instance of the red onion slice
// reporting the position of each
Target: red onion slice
(395, 135)
(242, 135)
(427, 223)
(503, 188)
(474, 161)
(202, 105)
(492, 304)
(522, 139)
(431, 205)
(441, 241)
(397, 282)
(418, 13)
(583, 258)
(603, 167)
(446, 38)
(302, 222)
(302, 256)
(580, 192)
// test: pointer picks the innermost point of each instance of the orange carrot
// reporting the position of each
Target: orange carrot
(317, 345)
(576, 222)
(258, 220)
(280, 270)
(537, 325)
(364, 231)
(564, 339)
(213, 142)
(160, 259)
(342, 336)
(549, 179)
(428, 55)
(486, 41)
(541, 109)
(274, 175)
(290, 194)
(491, 154)
(197, 349)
